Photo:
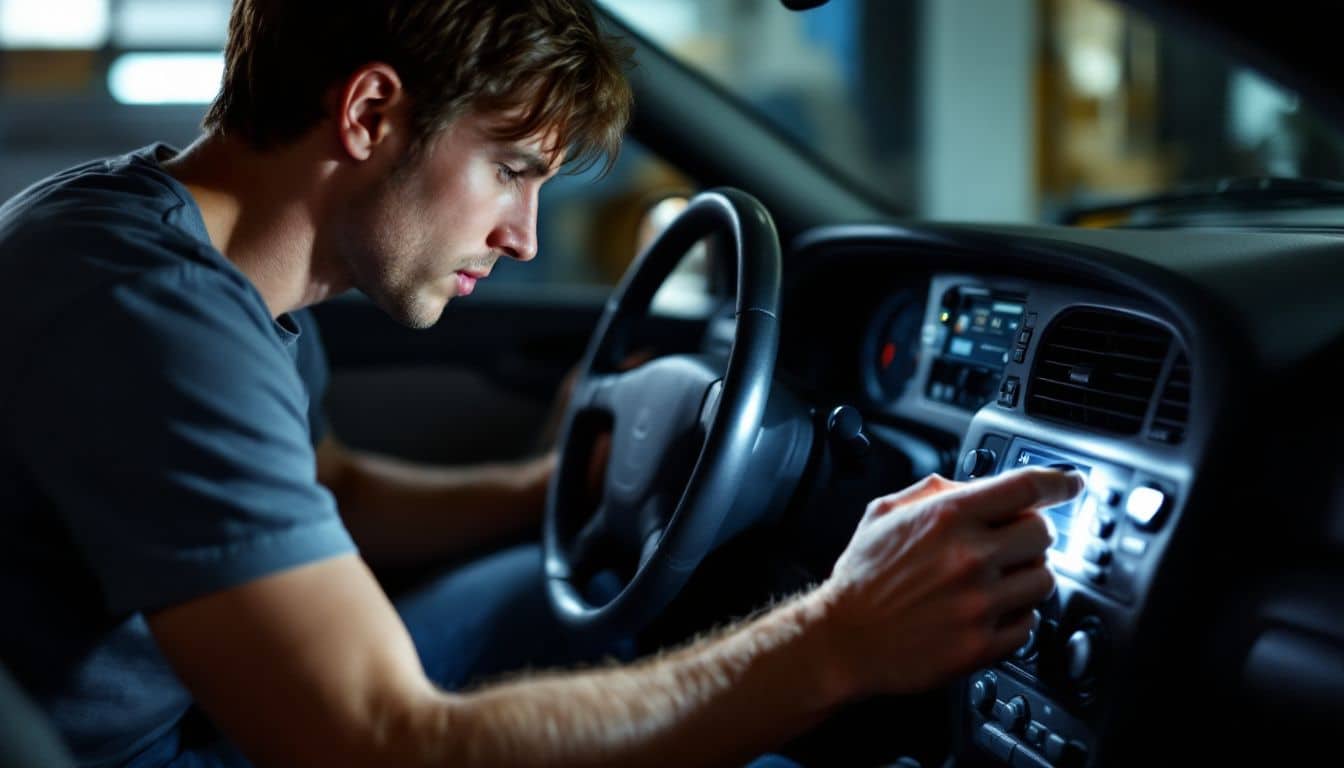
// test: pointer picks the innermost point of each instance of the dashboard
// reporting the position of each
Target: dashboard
(1126, 357)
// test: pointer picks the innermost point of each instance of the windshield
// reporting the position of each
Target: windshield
(1011, 110)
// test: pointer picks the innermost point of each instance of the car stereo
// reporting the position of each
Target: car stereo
(977, 330)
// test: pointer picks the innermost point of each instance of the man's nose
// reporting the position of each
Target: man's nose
(516, 234)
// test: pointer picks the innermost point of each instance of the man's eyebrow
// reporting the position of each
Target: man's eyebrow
(533, 163)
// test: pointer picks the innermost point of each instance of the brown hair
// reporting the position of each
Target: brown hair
(543, 63)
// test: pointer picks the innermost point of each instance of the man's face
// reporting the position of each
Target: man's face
(436, 226)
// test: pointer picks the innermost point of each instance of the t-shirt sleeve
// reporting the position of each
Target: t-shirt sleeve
(168, 427)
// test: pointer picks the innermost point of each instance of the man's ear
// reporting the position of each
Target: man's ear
(371, 109)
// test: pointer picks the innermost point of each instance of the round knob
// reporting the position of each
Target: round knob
(977, 462)
(1014, 714)
(983, 692)
(1080, 654)
(1028, 648)
(845, 426)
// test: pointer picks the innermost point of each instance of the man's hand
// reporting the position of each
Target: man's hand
(941, 578)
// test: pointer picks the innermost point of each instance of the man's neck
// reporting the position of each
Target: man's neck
(261, 210)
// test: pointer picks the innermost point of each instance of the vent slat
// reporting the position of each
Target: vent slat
(1119, 355)
(1095, 408)
(1082, 388)
(1173, 404)
(1099, 369)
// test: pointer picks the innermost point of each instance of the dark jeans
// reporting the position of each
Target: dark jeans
(484, 619)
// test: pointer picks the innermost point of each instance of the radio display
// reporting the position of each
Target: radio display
(1070, 527)
(983, 329)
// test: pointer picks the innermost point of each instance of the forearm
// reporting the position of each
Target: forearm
(716, 701)
(402, 512)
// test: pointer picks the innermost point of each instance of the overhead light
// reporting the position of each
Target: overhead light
(165, 78)
(53, 23)
(170, 23)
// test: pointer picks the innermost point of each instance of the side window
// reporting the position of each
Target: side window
(590, 225)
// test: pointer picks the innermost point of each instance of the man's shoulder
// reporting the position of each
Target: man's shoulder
(125, 205)
(108, 235)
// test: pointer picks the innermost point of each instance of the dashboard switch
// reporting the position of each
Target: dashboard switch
(1102, 525)
(1080, 654)
(1012, 714)
(1133, 545)
(1145, 504)
(983, 692)
(996, 742)
(1097, 552)
(978, 462)
(1065, 754)
(1008, 392)
(1036, 733)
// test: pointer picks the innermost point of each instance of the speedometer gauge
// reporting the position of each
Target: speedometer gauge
(893, 348)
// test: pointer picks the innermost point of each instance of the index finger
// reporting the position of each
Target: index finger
(997, 498)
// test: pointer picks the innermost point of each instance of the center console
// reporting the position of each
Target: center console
(1059, 400)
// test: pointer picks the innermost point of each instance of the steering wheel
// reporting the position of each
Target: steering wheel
(682, 431)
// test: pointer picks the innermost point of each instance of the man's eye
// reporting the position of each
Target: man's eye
(508, 174)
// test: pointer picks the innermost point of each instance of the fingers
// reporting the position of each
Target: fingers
(929, 486)
(1024, 540)
(1002, 497)
(1021, 589)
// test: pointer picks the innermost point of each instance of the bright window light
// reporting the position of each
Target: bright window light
(165, 78)
(53, 23)
(170, 23)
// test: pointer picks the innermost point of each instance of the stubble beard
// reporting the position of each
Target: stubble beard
(384, 255)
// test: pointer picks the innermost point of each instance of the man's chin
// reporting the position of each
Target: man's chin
(419, 311)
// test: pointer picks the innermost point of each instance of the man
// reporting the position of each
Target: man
(168, 547)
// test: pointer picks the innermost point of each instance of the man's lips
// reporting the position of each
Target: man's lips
(466, 281)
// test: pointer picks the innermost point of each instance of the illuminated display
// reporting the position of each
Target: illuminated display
(1071, 519)
(983, 329)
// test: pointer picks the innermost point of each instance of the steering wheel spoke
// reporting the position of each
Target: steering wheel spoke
(595, 391)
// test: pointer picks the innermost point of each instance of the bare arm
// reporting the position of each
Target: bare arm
(312, 666)
(398, 511)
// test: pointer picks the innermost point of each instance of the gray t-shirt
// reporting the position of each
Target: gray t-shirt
(158, 443)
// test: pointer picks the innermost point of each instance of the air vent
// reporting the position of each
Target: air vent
(1173, 406)
(1098, 369)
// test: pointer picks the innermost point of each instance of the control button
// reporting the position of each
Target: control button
(1102, 525)
(1026, 649)
(1025, 757)
(995, 741)
(1019, 354)
(1113, 496)
(1065, 754)
(1097, 552)
(1054, 746)
(1145, 505)
(1008, 392)
(844, 426)
(978, 461)
(1013, 714)
(1036, 733)
(1030, 322)
(1024, 338)
(983, 692)
(1133, 545)
(1080, 654)
(1094, 573)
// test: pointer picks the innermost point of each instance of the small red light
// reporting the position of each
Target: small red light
(888, 354)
